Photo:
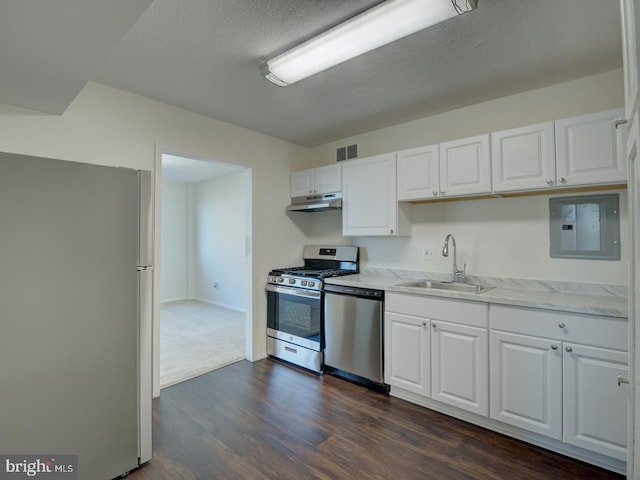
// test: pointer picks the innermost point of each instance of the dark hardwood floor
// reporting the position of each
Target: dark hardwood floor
(266, 420)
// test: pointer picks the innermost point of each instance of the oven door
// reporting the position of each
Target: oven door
(295, 315)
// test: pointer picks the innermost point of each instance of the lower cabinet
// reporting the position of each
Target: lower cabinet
(555, 374)
(552, 374)
(408, 352)
(439, 349)
(526, 383)
(459, 366)
(595, 407)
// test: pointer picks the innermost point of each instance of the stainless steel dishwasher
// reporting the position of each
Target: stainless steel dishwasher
(353, 334)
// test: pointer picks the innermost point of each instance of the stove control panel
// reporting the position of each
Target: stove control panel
(298, 282)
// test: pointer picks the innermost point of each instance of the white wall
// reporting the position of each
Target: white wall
(175, 238)
(218, 233)
(108, 126)
(503, 237)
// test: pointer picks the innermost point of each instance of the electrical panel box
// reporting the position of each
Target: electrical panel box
(586, 227)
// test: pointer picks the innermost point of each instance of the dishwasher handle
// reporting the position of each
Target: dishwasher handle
(354, 291)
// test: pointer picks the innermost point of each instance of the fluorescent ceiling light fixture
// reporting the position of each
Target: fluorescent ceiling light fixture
(382, 24)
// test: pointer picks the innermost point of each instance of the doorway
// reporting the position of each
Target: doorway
(204, 213)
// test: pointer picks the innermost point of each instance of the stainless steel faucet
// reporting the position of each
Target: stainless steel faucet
(456, 275)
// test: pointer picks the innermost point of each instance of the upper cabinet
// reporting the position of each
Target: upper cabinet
(369, 205)
(419, 173)
(456, 168)
(589, 149)
(316, 181)
(523, 158)
(576, 151)
(465, 167)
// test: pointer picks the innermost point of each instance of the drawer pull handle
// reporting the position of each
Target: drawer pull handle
(554, 347)
(621, 380)
(568, 349)
(292, 350)
(561, 325)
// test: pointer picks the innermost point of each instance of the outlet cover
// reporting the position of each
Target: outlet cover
(427, 253)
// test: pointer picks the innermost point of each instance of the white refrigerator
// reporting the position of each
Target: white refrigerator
(75, 313)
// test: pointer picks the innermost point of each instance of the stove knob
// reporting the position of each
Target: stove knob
(304, 283)
(311, 284)
(292, 281)
(280, 280)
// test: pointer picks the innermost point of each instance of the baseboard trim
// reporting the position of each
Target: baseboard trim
(205, 300)
(218, 304)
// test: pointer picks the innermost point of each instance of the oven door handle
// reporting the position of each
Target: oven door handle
(297, 292)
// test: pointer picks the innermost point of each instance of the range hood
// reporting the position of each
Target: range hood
(316, 203)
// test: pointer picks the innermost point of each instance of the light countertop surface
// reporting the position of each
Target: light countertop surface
(590, 299)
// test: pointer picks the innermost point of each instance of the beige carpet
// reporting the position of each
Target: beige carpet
(196, 337)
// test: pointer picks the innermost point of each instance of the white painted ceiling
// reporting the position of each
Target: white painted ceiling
(204, 55)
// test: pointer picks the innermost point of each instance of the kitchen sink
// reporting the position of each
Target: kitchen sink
(453, 286)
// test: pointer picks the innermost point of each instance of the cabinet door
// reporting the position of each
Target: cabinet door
(369, 205)
(526, 382)
(595, 407)
(418, 173)
(407, 362)
(328, 179)
(465, 166)
(523, 158)
(460, 366)
(589, 150)
(302, 183)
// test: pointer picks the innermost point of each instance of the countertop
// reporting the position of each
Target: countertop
(593, 299)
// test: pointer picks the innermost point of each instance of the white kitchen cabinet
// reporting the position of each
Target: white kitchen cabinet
(438, 348)
(369, 205)
(526, 382)
(319, 180)
(555, 374)
(595, 406)
(419, 173)
(460, 366)
(589, 150)
(465, 167)
(407, 362)
(523, 158)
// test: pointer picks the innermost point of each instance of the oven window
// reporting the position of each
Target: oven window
(294, 315)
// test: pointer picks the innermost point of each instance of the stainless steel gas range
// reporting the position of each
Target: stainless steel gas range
(295, 304)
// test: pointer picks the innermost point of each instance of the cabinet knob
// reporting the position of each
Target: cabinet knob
(435, 193)
(433, 325)
(568, 349)
(442, 192)
(620, 379)
(563, 180)
(561, 325)
(424, 324)
(554, 347)
(550, 182)
(391, 231)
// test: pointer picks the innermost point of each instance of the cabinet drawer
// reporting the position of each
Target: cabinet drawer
(457, 311)
(609, 332)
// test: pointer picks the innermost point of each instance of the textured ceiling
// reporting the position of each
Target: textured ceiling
(204, 55)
